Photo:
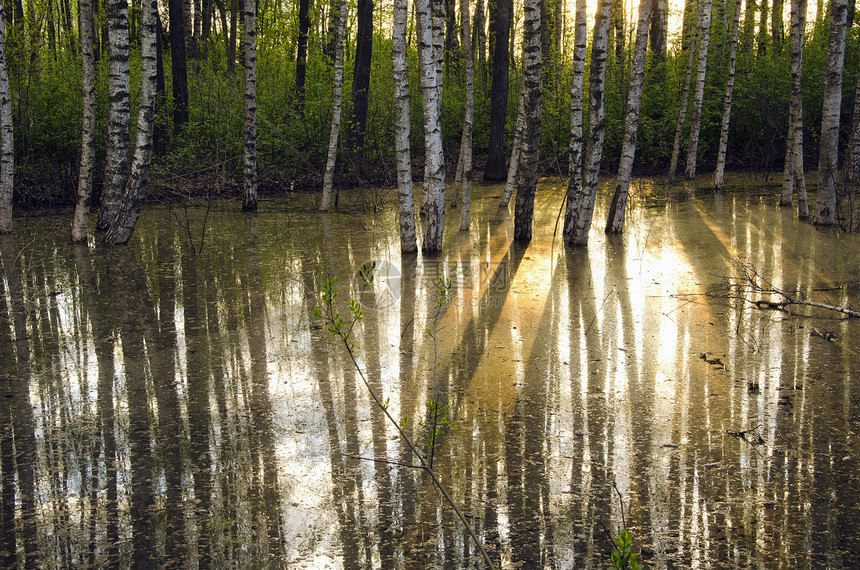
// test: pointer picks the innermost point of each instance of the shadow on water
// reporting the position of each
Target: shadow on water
(166, 407)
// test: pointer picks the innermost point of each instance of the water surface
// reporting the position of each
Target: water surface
(175, 402)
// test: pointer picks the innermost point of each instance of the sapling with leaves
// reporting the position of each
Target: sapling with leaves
(342, 330)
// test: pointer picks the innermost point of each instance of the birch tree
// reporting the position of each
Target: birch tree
(581, 200)
(719, 173)
(793, 175)
(577, 88)
(122, 226)
(701, 68)
(249, 193)
(337, 96)
(469, 119)
(828, 154)
(119, 112)
(615, 221)
(7, 149)
(516, 149)
(527, 178)
(399, 65)
(682, 111)
(88, 124)
(434, 179)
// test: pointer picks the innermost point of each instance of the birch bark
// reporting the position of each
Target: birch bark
(122, 226)
(581, 200)
(516, 150)
(682, 112)
(468, 120)
(719, 173)
(828, 155)
(532, 87)
(408, 241)
(249, 193)
(88, 124)
(615, 221)
(434, 180)
(577, 88)
(701, 68)
(793, 175)
(119, 113)
(7, 149)
(337, 97)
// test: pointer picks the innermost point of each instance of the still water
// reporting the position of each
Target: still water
(176, 403)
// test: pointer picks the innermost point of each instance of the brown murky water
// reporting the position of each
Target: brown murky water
(175, 403)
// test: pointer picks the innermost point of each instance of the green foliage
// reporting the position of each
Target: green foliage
(293, 134)
(622, 556)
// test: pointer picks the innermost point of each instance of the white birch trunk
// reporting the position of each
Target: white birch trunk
(615, 221)
(119, 112)
(828, 155)
(400, 70)
(434, 180)
(249, 194)
(469, 119)
(696, 119)
(793, 175)
(719, 173)
(577, 89)
(437, 24)
(532, 92)
(7, 149)
(337, 97)
(516, 150)
(682, 112)
(88, 124)
(582, 201)
(122, 226)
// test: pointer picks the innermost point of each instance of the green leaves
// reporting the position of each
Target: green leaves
(622, 557)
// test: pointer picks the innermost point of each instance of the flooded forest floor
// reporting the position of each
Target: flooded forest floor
(177, 403)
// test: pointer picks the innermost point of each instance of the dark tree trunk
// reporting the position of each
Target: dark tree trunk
(179, 66)
(231, 41)
(500, 29)
(452, 47)
(302, 52)
(617, 37)
(361, 77)
(761, 41)
(659, 25)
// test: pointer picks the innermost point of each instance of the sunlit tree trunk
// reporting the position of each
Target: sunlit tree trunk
(408, 241)
(469, 119)
(696, 119)
(582, 202)
(500, 29)
(434, 181)
(516, 149)
(577, 89)
(7, 149)
(119, 113)
(532, 87)
(615, 221)
(249, 194)
(682, 111)
(88, 124)
(793, 175)
(828, 154)
(337, 88)
(727, 101)
(122, 226)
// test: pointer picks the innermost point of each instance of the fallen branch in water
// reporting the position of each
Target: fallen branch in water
(751, 284)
